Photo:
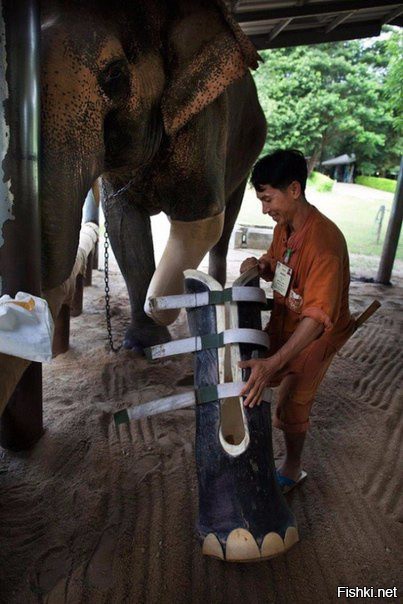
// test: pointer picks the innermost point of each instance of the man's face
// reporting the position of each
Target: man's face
(280, 205)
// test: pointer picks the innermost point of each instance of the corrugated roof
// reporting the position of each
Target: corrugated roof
(291, 22)
(340, 160)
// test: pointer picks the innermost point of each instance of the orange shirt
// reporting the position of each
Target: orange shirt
(319, 283)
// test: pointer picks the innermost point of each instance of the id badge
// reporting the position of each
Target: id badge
(282, 278)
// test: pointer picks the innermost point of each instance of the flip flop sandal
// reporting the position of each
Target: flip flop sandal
(287, 484)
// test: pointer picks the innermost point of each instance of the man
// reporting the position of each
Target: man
(309, 265)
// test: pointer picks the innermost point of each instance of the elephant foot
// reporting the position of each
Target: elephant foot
(241, 546)
(138, 338)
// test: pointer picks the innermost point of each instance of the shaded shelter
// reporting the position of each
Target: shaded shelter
(98, 506)
(296, 22)
(340, 168)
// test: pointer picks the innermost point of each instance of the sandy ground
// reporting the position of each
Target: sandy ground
(96, 516)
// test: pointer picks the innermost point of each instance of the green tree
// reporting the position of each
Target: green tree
(328, 99)
(393, 89)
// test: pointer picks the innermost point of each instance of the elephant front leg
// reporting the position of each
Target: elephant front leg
(188, 243)
(131, 239)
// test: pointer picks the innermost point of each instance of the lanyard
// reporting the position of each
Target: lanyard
(287, 255)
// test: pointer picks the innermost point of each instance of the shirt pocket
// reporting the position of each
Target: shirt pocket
(295, 300)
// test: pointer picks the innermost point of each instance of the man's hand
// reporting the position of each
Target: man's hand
(248, 264)
(262, 264)
(262, 371)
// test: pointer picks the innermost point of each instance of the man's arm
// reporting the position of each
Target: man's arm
(307, 331)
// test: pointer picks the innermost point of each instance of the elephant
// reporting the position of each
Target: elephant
(155, 99)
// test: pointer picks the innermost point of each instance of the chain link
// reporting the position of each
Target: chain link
(106, 266)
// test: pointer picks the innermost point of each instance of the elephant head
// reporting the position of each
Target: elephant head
(102, 79)
(116, 81)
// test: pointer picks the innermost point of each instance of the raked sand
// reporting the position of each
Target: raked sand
(93, 516)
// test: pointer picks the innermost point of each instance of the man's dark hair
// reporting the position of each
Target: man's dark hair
(279, 169)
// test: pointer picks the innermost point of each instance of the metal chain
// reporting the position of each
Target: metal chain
(106, 258)
(106, 268)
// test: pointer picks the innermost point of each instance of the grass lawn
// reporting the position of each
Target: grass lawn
(383, 184)
(352, 207)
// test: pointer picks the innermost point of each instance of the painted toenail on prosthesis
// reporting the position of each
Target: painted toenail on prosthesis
(243, 516)
(186, 247)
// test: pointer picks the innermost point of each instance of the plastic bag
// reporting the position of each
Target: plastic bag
(26, 327)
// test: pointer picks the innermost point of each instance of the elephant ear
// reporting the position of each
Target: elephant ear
(248, 49)
(219, 54)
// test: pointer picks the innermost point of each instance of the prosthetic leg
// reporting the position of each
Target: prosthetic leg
(242, 513)
(243, 516)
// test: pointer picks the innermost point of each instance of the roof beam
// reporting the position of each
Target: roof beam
(312, 10)
(317, 36)
(279, 28)
(234, 4)
(393, 15)
(338, 21)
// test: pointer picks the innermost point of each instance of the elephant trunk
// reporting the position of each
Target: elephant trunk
(187, 245)
(61, 222)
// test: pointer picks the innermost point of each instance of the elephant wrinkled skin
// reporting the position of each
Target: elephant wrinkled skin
(155, 96)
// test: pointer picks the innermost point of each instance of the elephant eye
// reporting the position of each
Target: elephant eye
(114, 80)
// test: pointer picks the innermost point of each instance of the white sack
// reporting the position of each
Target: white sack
(26, 327)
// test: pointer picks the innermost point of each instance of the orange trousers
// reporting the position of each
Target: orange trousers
(298, 383)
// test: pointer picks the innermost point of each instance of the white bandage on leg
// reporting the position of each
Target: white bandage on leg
(187, 245)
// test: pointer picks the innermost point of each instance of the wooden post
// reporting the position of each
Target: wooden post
(61, 338)
(77, 304)
(392, 233)
(21, 423)
(95, 257)
(88, 270)
(368, 312)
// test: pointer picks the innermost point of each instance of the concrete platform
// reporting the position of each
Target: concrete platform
(252, 237)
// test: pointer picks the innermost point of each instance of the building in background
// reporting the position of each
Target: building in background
(340, 168)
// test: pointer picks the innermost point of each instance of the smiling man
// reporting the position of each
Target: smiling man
(309, 266)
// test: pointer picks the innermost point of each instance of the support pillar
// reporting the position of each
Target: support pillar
(61, 338)
(21, 424)
(20, 259)
(77, 303)
(88, 270)
(392, 233)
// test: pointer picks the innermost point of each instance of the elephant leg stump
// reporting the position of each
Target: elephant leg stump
(243, 516)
